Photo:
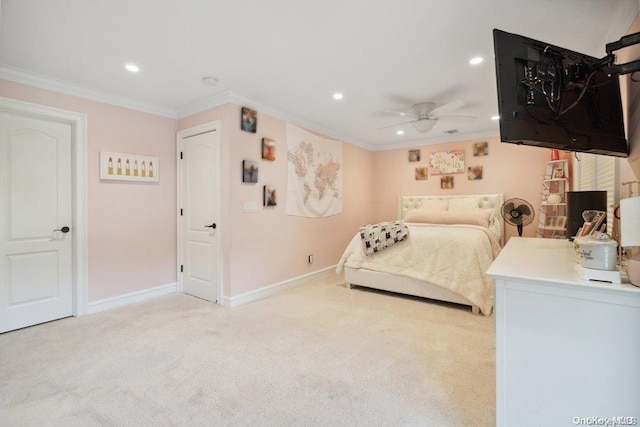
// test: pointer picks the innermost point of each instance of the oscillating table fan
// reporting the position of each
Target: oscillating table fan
(517, 212)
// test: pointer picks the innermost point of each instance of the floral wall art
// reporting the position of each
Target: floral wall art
(446, 162)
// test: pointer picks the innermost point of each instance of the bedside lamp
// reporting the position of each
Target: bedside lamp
(630, 235)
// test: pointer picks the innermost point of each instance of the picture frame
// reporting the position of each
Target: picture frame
(248, 120)
(422, 174)
(481, 148)
(446, 182)
(129, 167)
(249, 171)
(268, 149)
(558, 173)
(446, 162)
(414, 155)
(474, 173)
(269, 196)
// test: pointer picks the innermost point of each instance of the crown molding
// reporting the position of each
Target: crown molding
(49, 83)
(232, 97)
(213, 101)
(224, 97)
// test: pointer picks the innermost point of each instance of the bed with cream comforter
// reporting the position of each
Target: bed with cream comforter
(455, 257)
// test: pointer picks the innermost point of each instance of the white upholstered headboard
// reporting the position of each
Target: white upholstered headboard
(484, 201)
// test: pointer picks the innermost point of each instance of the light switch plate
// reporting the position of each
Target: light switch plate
(249, 207)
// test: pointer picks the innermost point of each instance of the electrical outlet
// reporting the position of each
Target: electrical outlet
(310, 259)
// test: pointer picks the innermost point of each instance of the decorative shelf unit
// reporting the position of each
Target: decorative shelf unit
(552, 220)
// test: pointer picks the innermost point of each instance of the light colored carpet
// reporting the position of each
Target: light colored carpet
(318, 354)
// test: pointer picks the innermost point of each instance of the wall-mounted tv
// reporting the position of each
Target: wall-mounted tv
(553, 97)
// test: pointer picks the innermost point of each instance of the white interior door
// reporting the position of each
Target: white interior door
(199, 215)
(36, 282)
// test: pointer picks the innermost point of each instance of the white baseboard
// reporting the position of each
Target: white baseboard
(269, 290)
(131, 298)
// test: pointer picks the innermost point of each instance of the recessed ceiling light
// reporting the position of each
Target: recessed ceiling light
(477, 60)
(400, 132)
(132, 67)
(338, 96)
(495, 117)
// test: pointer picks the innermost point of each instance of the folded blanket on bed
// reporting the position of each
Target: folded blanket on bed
(380, 236)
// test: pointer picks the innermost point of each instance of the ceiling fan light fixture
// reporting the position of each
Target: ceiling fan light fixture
(424, 125)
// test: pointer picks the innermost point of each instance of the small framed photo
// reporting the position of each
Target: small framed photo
(558, 173)
(480, 148)
(248, 120)
(269, 195)
(446, 182)
(249, 171)
(268, 149)
(422, 174)
(474, 172)
(414, 155)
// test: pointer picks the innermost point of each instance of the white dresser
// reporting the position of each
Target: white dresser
(566, 349)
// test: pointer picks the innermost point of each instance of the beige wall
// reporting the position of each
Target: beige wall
(631, 107)
(131, 226)
(514, 170)
(268, 247)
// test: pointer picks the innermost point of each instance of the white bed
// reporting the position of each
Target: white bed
(364, 273)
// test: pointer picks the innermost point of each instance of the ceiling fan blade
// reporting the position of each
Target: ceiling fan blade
(396, 125)
(456, 118)
(451, 106)
(397, 113)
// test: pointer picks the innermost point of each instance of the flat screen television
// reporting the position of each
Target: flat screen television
(553, 97)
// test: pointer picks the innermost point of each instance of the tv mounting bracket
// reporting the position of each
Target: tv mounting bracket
(607, 63)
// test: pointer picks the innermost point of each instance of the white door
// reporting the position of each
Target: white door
(36, 282)
(199, 215)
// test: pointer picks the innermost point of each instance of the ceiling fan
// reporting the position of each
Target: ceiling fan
(427, 114)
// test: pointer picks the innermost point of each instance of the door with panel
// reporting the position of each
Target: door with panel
(199, 212)
(36, 248)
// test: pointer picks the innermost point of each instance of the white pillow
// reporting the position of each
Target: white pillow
(480, 217)
(465, 203)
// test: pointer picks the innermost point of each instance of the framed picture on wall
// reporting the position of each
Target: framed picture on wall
(422, 174)
(480, 148)
(474, 172)
(414, 155)
(268, 149)
(129, 167)
(446, 182)
(248, 120)
(249, 171)
(269, 195)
